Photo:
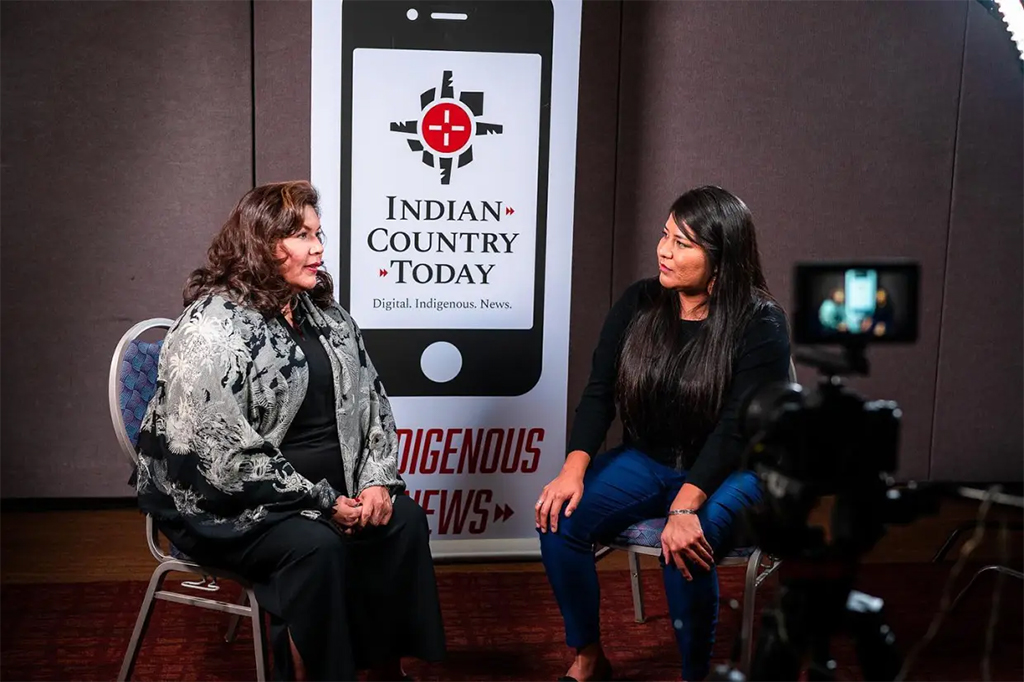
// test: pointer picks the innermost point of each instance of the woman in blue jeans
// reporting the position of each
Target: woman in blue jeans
(677, 355)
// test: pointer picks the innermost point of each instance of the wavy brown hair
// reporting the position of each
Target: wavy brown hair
(242, 261)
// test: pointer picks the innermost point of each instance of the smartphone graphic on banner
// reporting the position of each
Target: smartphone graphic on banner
(861, 290)
(445, 121)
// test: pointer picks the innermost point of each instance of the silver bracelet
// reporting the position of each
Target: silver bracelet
(676, 512)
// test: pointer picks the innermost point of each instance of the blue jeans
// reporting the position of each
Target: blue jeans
(623, 487)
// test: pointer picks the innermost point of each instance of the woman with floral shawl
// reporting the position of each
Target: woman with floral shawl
(269, 449)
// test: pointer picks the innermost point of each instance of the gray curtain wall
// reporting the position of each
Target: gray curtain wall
(126, 138)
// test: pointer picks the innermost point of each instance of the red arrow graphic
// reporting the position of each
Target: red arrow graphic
(509, 210)
(502, 514)
(382, 273)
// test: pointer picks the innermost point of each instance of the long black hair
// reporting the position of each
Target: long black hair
(671, 391)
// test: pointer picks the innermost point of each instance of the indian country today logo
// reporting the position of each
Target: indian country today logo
(421, 231)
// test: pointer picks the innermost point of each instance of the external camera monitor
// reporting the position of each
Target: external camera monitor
(856, 302)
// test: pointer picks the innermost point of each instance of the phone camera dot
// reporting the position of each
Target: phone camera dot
(412, 14)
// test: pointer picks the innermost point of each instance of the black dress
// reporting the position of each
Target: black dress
(349, 602)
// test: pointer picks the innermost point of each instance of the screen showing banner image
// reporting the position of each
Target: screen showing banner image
(444, 209)
(872, 302)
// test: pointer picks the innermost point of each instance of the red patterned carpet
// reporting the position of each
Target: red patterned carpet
(501, 626)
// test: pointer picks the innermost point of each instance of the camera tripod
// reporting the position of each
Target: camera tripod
(815, 603)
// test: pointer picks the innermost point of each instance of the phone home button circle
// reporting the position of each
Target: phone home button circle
(441, 362)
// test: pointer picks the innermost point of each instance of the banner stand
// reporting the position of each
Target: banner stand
(443, 145)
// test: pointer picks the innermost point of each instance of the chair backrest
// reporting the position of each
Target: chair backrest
(132, 382)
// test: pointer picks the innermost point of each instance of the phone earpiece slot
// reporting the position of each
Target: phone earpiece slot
(449, 16)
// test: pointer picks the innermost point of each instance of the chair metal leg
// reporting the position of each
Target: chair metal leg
(984, 569)
(232, 632)
(257, 636)
(769, 569)
(142, 622)
(638, 589)
(940, 555)
(747, 617)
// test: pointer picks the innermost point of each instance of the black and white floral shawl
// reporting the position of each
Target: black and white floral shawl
(229, 384)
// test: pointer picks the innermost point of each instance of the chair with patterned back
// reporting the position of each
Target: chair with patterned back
(132, 384)
(645, 538)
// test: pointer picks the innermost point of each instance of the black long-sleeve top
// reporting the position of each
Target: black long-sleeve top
(311, 444)
(763, 356)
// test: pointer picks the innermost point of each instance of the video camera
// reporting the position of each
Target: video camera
(806, 445)
(831, 442)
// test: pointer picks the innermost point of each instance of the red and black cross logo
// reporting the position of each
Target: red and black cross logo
(445, 129)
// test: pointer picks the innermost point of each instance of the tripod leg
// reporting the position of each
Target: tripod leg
(822, 667)
(776, 656)
(876, 643)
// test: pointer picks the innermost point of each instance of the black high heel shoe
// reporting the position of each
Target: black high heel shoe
(603, 674)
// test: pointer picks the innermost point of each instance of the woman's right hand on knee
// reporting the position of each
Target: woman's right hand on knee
(566, 489)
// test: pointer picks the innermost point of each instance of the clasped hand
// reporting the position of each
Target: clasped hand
(682, 541)
(372, 508)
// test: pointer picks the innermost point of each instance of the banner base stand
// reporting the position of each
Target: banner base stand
(498, 549)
